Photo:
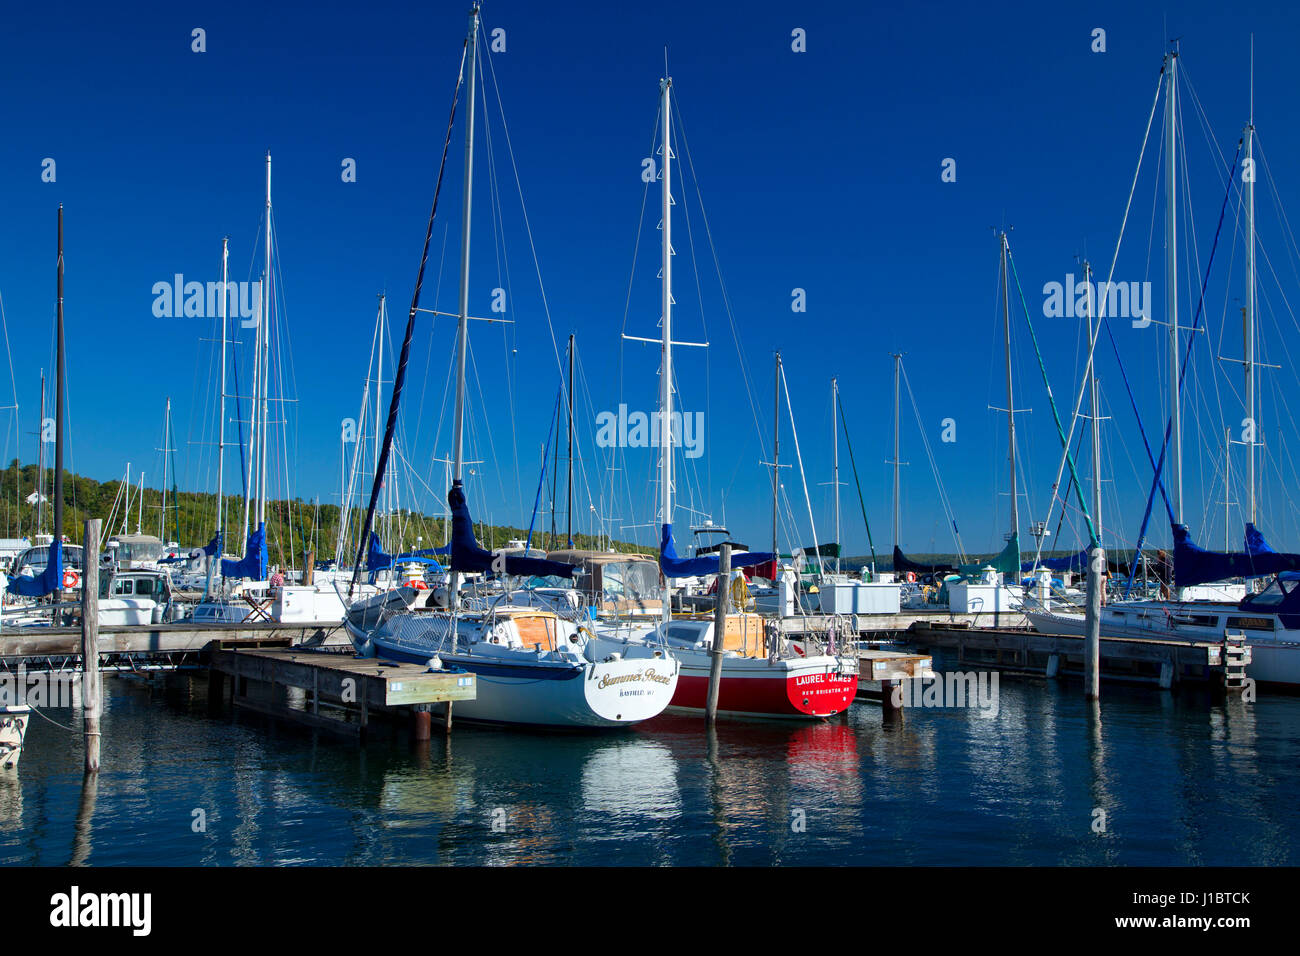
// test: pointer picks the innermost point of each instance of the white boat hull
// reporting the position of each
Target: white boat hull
(1274, 663)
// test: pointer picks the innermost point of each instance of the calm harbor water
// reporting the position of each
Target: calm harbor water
(1183, 781)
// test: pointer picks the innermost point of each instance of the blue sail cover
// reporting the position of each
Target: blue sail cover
(1072, 562)
(253, 564)
(214, 546)
(47, 582)
(376, 560)
(1195, 565)
(466, 555)
(675, 567)
(1265, 558)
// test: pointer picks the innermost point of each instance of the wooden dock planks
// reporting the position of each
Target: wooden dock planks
(343, 677)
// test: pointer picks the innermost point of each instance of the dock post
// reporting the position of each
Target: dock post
(421, 722)
(1092, 623)
(719, 633)
(890, 711)
(91, 688)
(216, 691)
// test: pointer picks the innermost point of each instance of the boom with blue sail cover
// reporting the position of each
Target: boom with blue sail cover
(678, 567)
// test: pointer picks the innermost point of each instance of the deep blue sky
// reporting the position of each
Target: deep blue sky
(818, 170)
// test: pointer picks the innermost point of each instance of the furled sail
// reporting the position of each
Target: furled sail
(904, 564)
(466, 555)
(1265, 558)
(678, 567)
(1006, 562)
(1194, 565)
(48, 581)
(253, 564)
(378, 560)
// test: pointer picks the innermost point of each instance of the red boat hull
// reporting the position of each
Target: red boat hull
(751, 688)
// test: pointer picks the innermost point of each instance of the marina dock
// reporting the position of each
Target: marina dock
(173, 645)
(1162, 662)
(332, 690)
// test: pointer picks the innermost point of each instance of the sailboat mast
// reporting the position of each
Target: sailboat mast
(1096, 405)
(1249, 314)
(835, 466)
(1227, 489)
(898, 359)
(221, 404)
(59, 387)
(167, 430)
(379, 391)
(1171, 276)
(666, 364)
(1011, 404)
(569, 508)
(462, 323)
(776, 451)
(265, 332)
(40, 462)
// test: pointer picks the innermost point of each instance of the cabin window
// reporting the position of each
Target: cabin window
(1251, 623)
(125, 586)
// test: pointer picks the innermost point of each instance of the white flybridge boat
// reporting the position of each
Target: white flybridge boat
(761, 676)
(532, 665)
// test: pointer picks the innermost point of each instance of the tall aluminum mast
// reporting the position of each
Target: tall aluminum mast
(462, 324)
(666, 364)
(1096, 407)
(1249, 312)
(835, 467)
(1011, 404)
(265, 333)
(1171, 276)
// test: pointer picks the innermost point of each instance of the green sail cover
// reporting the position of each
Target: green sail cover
(1008, 562)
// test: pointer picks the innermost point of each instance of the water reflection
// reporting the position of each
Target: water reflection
(1184, 778)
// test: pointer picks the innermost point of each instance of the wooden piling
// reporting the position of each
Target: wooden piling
(719, 632)
(1092, 623)
(91, 688)
(421, 722)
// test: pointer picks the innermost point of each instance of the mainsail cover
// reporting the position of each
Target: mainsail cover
(1272, 562)
(1071, 562)
(674, 566)
(1194, 565)
(253, 564)
(1007, 562)
(466, 555)
(378, 560)
(903, 564)
(48, 581)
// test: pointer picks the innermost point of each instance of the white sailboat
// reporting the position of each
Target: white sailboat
(760, 677)
(532, 666)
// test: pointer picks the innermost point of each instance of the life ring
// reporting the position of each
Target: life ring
(419, 585)
(911, 577)
(71, 579)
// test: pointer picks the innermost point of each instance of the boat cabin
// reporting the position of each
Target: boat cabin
(622, 585)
